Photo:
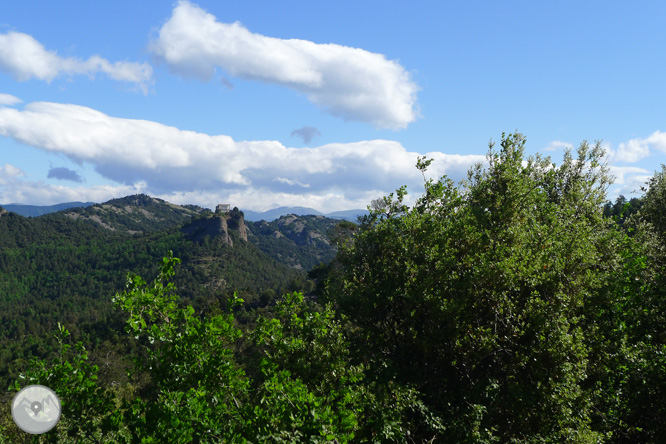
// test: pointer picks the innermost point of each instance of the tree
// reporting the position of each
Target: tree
(191, 383)
(631, 373)
(196, 389)
(477, 295)
(89, 411)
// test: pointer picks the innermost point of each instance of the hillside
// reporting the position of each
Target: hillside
(299, 241)
(136, 214)
(65, 266)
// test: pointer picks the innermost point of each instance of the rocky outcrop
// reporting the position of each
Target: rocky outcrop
(218, 228)
(236, 222)
(215, 227)
(297, 229)
(302, 240)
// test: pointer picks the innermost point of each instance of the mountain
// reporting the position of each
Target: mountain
(136, 214)
(36, 210)
(349, 215)
(217, 226)
(270, 215)
(299, 241)
(253, 216)
(66, 266)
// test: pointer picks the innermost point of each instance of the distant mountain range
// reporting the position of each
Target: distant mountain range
(36, 210)
(253, 216)
(276, 213)
(293, 236)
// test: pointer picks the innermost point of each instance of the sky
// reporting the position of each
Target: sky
(319, 104)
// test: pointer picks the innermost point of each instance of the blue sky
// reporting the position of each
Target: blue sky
(326, 105)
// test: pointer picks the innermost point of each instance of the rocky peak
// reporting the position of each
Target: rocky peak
(218, 227)
(236, 221)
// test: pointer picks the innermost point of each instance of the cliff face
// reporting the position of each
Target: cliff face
(218, 228)
(236, 222)
(215, 227)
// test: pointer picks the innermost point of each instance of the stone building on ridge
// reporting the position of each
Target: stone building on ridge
(222, 208)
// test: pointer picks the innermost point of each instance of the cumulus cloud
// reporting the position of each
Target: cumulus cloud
(307, 133)
(632, 151)
(347, 82)
(9, 100)
(639, 148)
(172, 161)
(63, 173)
(14, 187)
(40, 193)
(628, 184)
(10, 171)
(25, 58)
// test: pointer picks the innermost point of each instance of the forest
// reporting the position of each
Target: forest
(516, 306)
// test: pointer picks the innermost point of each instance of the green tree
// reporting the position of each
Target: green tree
(477, 295)
(312, 392)
(197, 389)
(190, 384)
(89, 412)
(631, 373)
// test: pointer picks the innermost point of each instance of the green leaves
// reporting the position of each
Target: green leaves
(88, 410)
(477, 294)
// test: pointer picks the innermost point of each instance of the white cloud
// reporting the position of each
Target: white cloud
(620, 173)
(658, 141)
(347, 82)
(557, 145)
(10, 171)
(265, 199)
(630, 186)
(14, 188)
(639, 148)
(9, 100)
(632, 151)
(25, 58)
(172, 161)
(291, 182)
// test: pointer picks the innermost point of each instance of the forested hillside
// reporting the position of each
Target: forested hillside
(516, 306)
(299, 241)
(136, 214)
(63, 267)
